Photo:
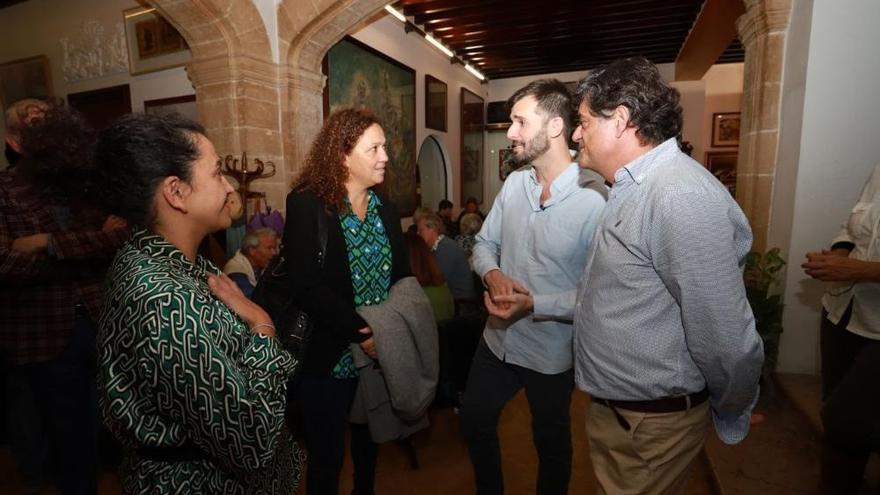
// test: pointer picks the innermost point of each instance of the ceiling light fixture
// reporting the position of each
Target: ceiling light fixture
(475, 72)
(396, 13)
(439, 45)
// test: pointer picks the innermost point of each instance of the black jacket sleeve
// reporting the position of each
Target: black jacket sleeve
(323, 293)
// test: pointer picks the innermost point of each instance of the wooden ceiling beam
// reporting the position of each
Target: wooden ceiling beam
(712, 33)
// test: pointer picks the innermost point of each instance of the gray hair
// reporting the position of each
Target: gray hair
(252, 238)
(470, 223)
(434, 222)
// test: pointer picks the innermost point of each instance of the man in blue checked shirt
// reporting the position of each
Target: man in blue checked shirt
(665, 340)
(530, 253)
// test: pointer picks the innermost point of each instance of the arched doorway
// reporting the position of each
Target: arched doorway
(433, 172)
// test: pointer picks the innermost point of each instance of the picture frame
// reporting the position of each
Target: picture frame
(184, 105)
(473, 121)
(722, 164)
(360, 77)
(25, 78)
(436, 102)
(153, 43)
(725, 129)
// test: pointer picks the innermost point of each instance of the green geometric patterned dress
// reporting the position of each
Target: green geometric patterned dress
(178, 367)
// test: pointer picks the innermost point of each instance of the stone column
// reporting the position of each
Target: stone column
(762, 30)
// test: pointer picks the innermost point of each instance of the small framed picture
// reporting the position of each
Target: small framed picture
(725, 129)
(153, 43)
(722, 164)
(184, 105)
(435, 103)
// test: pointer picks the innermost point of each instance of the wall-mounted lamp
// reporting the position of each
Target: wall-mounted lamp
(439, 45)
(409, 27)
(396, 13)
(475, 72)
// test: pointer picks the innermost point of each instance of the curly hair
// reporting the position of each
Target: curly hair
(325, 173)
(636, 84)
(57, 144)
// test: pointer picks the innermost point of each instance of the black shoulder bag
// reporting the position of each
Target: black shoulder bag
(293, 327)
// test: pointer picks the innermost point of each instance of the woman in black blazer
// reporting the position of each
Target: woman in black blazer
(345, 161)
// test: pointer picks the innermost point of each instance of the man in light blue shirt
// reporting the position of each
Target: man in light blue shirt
(530, 253)
(662, 322)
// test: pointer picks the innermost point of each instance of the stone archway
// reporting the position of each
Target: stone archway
(304, 38)
(235, 79)
(762, 30)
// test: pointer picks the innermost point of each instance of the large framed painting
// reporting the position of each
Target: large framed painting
(153, 43)
(435, 103)
(472, 124)
(361, 77)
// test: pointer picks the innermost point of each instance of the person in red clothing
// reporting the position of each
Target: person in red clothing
(54, 248)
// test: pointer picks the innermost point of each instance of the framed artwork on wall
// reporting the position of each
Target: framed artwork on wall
(25, 78)
(153, 43)
(361, 77)
(472, 124)
(722, 164)
(435, 103)
(101, 107)
(184, 105)
(725, 129)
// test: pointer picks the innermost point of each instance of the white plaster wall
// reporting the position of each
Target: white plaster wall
(34, 28)
(387, 36)
(838, 147)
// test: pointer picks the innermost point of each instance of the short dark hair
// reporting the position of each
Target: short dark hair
(636, 84)
(444, 203)
(554, 100)
(136, 153)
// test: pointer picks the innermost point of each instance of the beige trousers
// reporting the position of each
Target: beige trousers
(653, 457)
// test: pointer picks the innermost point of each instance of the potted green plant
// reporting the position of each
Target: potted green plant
(761, 275)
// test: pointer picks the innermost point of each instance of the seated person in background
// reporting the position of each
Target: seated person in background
(427, 271)
(450, 257)
(420, 212)
(470, 225)
(258, 248)
(444, 210)
(470, 206)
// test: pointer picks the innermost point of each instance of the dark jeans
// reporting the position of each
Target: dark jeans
(491, 384)
(851, 405)
(52, 415)
(324, 404)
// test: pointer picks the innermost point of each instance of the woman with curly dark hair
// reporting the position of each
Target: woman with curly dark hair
(364, 257)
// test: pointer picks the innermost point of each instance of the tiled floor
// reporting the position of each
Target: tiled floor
(444, 464)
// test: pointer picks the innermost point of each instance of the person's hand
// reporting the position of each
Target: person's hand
(369, 345)
(500, 284)
(113, 222)
(507, 307)
(31, 244)
(829, 266)
(228, 292)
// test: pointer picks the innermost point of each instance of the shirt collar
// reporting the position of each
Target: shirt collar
(373, 203)
(156, 247)
(562, 186)
(641, 167)
(437, 242)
